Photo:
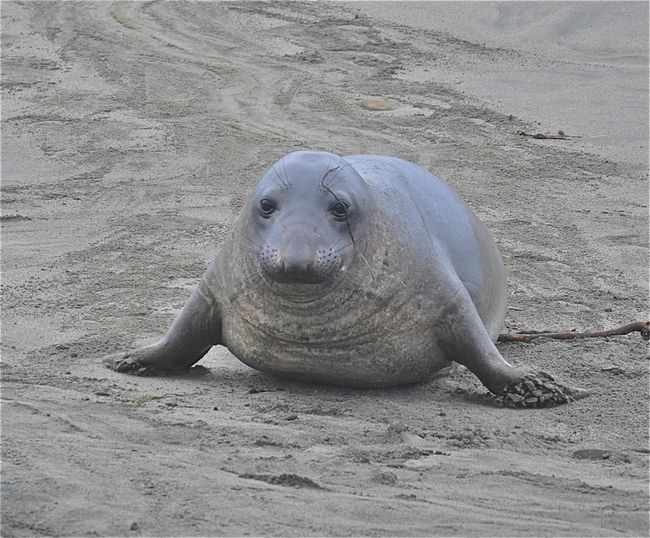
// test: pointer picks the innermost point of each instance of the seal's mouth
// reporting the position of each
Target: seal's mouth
(301, 286)
(299, 276)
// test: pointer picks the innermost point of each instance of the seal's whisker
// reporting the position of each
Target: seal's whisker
(252, 251)
(262, 241)
(349, 282)
(253, 272)
(284, 182)
(241, 235)
(349, 244)
(366, 262)
(286, 175)
(257, 281)
(338, 242)
(277, 181)
(254, 277)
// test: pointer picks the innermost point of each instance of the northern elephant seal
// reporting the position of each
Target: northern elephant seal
(363, 271)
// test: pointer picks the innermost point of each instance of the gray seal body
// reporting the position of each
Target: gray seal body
(363, 271)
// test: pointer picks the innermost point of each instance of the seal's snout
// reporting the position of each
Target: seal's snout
(296, 259)
(299, 265)
(298, 269)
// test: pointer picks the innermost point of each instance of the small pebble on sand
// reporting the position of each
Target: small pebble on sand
(376, 104)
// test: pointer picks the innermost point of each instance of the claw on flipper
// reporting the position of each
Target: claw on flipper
(538, 390)
(126, 364)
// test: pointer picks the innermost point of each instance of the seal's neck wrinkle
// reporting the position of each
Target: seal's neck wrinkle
(307, 314)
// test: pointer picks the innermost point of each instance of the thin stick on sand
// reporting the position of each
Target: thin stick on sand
(642, 327)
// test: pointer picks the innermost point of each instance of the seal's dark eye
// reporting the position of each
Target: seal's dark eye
(340, 209)
(267, 206)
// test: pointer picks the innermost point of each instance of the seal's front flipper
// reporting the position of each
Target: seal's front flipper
(127, 363)
(155, 360)
(194, 331)
(539, 390)
(469, 344)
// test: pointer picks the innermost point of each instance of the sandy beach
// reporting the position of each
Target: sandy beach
(132, 133)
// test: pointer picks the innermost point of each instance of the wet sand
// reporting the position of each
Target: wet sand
(132, 133)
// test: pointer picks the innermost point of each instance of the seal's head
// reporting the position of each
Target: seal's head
(306, 219)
